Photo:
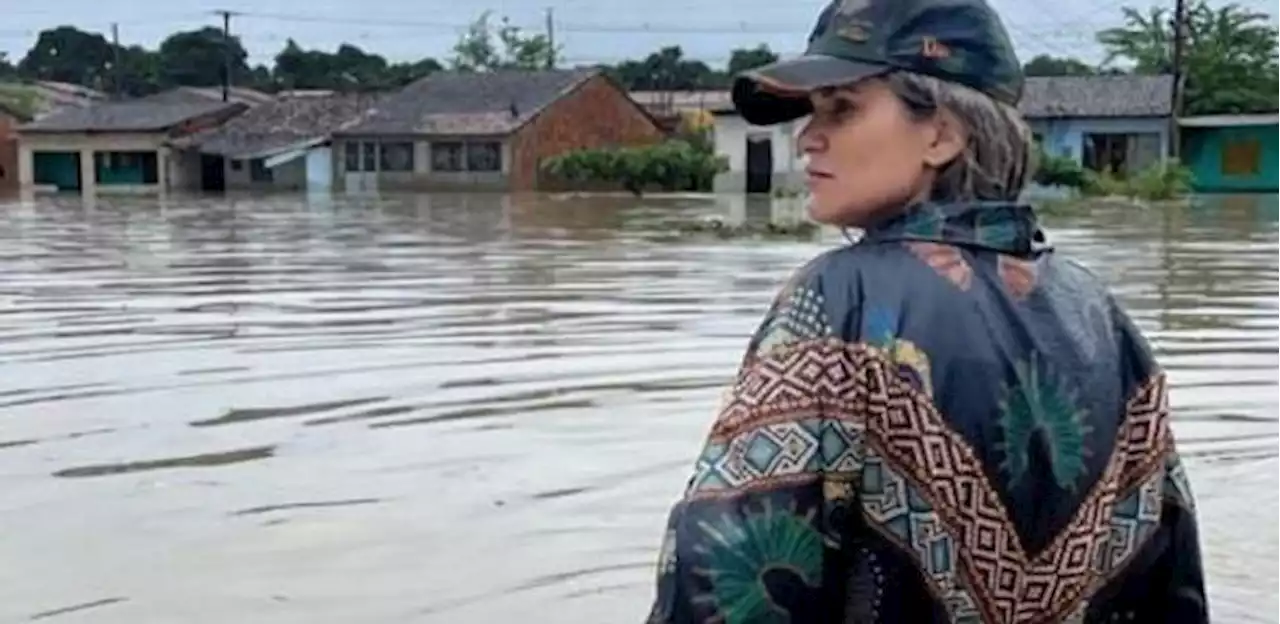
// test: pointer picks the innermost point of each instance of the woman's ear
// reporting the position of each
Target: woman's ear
(949, 139)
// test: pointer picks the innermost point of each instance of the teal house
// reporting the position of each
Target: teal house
(1231, 153)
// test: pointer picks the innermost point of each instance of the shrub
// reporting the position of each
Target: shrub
(1158, 182)
(670, 166)
(1058, 171)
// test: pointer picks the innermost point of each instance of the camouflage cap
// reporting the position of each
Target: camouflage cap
(961, 41)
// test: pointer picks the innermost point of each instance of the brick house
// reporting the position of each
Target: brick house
(10, 118)
(486, 131)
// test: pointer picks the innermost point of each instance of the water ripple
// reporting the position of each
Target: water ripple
(492, 397)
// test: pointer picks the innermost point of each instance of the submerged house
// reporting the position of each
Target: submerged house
(119, 145)
(283, 144)
(486, 131)
(1231, 153)
(1121, 122)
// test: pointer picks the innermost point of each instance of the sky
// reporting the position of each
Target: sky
(591, 31)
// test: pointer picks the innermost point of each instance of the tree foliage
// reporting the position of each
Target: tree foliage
(486, 48)
(1229, 55)
(671, 166)
(1046, 65)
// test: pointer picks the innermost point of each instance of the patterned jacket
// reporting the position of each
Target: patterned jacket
(944, 422)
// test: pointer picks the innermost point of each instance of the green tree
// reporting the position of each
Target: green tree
(666, 70)
(195, 58)
(743, 59)
(139, 71)
(68, 54)
(1230, 55)
(1046, 65)
(485, 48)
(346, 69)
(8, 70)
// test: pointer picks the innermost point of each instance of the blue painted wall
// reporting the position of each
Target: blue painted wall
(1204, 150)
(1065, 137)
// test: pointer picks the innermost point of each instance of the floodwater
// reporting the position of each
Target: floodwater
(476, 408)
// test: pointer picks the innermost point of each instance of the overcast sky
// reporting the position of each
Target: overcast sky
(590, 30)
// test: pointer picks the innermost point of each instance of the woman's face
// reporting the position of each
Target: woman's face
(867, 156)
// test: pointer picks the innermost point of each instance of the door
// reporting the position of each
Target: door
(759, 164)
(213, 173)
(360, 170)
(319, 167)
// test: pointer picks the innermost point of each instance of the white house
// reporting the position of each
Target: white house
(762, 159)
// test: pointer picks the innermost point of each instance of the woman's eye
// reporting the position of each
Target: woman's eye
(838, 108)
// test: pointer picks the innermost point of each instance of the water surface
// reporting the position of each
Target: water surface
(476, 408)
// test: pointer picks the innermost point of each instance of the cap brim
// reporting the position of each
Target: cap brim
(779, 92)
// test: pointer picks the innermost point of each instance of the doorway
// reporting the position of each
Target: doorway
(213, 173)
(759, 163)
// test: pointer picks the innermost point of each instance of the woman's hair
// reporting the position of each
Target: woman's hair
(998, 159)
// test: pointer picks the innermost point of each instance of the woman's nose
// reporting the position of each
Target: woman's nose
(811, 140)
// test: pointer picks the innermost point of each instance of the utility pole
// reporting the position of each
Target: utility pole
(226, 53)
(1179, 75)
(551, 39)
(115, 62)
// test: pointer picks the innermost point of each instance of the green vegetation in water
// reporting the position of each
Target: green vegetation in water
(1158, 182)
(674, 165)
(799, 229)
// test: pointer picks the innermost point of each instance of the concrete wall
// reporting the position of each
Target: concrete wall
(422, 178)
(290, 176)
(1209, 153)
(1065, 137)
(730, 135)
(173, 170)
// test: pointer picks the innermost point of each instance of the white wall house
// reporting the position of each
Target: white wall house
(762, 159)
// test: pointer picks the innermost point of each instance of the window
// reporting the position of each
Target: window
(351, 155)
(485, 156)
(258, 171)
(1242, 157)
(446, 156)
(126, 168)
(397, 156)
(1037, 138)
(1123, 154)
(237, 165)
(370, 152)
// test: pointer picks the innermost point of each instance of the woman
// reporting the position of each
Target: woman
(946, 421)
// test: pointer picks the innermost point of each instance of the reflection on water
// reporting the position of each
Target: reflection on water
(476, 408)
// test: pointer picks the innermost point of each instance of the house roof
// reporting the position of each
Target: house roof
(668, 102)
(142, 115)
(281, 124)
(1097, 96)
(243, 95)
(487, 103)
